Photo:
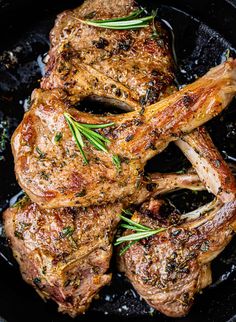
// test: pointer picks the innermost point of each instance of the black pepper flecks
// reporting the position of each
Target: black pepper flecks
(101, 43)
(129, 137)
(124, 44)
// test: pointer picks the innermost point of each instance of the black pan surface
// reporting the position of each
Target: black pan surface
(203, 32)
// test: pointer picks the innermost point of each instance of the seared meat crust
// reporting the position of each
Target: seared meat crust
(53, 175)
(63, 253)
(132, 69)
(168, 269)
(129, 66)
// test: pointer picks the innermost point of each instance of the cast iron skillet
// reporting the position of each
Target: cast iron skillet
(203, 31)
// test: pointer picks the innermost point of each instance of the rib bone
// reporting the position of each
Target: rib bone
(209, 164)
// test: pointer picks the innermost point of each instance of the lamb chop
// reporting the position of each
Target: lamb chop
(129, 67)
(169, 268)
(58, 170)
(65, 253)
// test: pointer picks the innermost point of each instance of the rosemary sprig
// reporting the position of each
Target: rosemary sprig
(141, 232)
(132, 21)
(79, 130)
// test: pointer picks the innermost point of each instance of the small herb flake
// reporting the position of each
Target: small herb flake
(44, 270)
(58, 137)
(18, 234)
(41, 154)
(37, 280)
(44, 175)
(205, 246)
(117, 162)
(67, 232)
(81, 193)
(67, 283)
(227, 53)
(4, 135)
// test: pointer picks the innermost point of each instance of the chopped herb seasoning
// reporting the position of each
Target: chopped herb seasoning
(227, 54)
(41, 154)
(67, 232)
(205, 246)
(4, 135)
(44, 270)
(18, 234)
(117, 162)
(37, 280)
(58, 137)
(67, 283)
(217, 163)
(81, 193)
(129, 137)
(44, 175)
(90, 15)
(20, 203)
(101, 43)
(183, 171)
(176, 232)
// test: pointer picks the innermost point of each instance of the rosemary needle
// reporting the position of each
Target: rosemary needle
(138, 235)
(132, 21)
(116, 161)
(80, 130)
(141, 232)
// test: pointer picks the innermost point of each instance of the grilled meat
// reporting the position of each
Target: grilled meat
(58, 172)
(168, 269)
(131, 67)
(65, 253)
(128, 66)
